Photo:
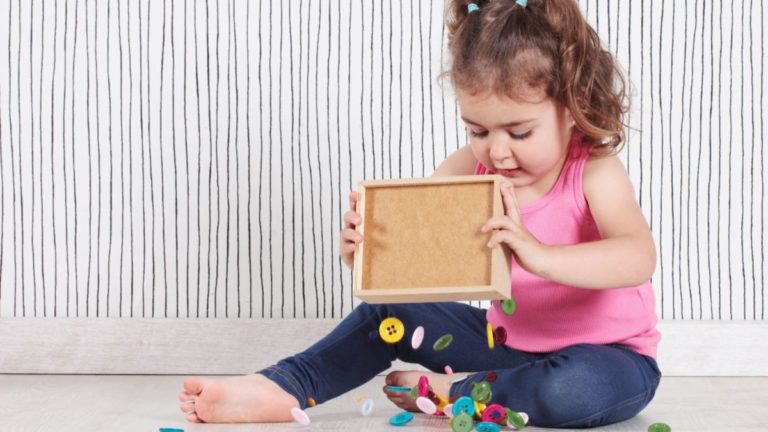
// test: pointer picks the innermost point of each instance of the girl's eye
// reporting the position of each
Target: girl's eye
(521, 136)
(515, 136)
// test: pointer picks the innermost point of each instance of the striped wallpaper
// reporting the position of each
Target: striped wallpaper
(193, 158)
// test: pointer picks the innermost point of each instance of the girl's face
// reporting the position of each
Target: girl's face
(526, 142)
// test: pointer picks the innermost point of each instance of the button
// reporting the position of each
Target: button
(417, 338)
(401, 419)
(487, 427)
(311, 402)
(479, 408)
(300, 416)
(426, 405)
(462, 423)
(500, 335)
(423, 386)
(391, 330)
(465, 405)
(494, 413)
(448, 370)
(491, 376)
(489, 334)
(516, 420)
(367, 407)
(481, 391)
(398, 389)
(659, 427)
(443, 342)
(508, 306)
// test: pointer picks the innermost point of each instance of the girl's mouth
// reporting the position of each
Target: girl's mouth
(509, 172)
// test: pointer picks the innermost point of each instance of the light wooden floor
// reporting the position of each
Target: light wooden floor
(113, 403)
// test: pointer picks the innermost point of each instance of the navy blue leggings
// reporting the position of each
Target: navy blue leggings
(578, 386)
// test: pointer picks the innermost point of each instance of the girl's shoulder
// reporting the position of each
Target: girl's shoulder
(459, 163)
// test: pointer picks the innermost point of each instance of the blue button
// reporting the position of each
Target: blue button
(401, 419)
(464, 404)
(487, 427)
(398, 389)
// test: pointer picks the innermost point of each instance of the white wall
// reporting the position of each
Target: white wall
(192, 159)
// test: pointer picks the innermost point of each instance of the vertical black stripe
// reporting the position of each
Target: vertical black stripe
(175, 161)
(130, 157)
(237, 164)
(199, 164)
(320, 170)
(32, 158)
(43, 268)
(74, 186)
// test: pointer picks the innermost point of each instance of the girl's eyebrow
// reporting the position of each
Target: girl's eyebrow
(509, 124)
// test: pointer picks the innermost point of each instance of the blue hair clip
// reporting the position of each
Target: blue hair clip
(522, 3)
(472, 7)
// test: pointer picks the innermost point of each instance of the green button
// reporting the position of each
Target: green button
(415, 392)
(462, 423)
(443, 342)
(659, 427)
(508, 306)
(481, 392)
(516, 419)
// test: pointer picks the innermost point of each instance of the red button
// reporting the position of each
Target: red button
(491, 376)
(500, 335)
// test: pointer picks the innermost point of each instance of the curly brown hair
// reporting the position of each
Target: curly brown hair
(512, 50)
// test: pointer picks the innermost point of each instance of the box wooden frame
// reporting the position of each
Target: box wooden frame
(494, 283)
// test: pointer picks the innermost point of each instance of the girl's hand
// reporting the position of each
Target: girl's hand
(529, 253)
(349, 236)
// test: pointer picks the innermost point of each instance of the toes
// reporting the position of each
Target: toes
(193, 386)
(187, 407)
(193, 418)
(184, 396)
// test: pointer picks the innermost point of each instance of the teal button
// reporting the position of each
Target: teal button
(401, 419)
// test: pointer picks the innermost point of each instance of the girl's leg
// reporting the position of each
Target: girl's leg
(579, 386)
(353, 353)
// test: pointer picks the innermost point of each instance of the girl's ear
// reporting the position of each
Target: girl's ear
(569, 120)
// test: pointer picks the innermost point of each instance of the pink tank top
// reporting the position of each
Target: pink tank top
(551, 316)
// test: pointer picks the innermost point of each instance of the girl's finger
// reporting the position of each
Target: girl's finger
(351, 219)
(498, 222)
(353, 201)
(510, 201)
(502, 237)
(350, 235)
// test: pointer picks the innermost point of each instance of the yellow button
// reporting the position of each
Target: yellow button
(489, 331)
(391, 330)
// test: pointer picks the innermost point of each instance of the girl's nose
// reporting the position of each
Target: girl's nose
(499, 149)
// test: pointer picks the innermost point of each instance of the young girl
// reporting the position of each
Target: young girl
(543, 105)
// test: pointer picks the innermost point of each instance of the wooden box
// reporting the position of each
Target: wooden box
(422, 241)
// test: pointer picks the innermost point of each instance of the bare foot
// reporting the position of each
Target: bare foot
(242, 399)
(441, 385)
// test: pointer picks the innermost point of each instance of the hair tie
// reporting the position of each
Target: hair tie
(522, 3)
(472, 7)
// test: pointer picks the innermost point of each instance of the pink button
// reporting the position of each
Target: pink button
(494, 413)
(423, 386)
(417, 338)
(300, 416)
(426, 405)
